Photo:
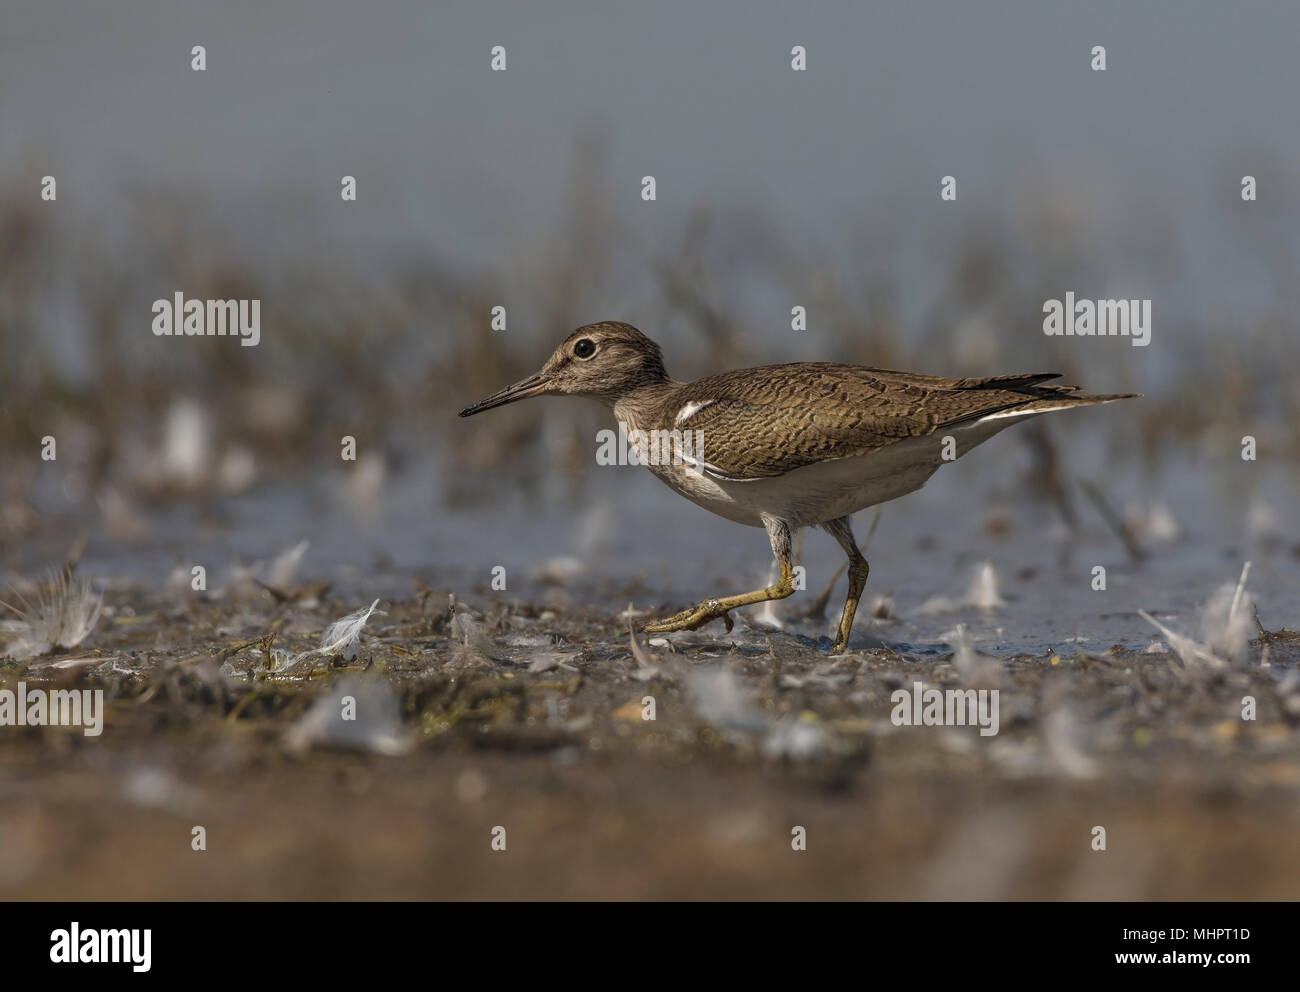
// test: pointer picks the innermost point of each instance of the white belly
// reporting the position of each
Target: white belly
(804, 497)
(828, 490)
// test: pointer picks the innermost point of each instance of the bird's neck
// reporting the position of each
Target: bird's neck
(639, 407)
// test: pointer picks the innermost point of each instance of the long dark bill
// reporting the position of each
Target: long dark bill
(531, 386)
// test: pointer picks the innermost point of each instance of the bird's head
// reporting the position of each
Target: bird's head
(605, 361)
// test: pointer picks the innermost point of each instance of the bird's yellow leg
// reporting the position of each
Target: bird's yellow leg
(778, 533)
(713, 609)
(858, 570)
(857, 582)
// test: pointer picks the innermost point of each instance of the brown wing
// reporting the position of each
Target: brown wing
(763, 422)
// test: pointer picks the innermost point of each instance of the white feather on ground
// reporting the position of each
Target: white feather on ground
(1153, 522)
(977, 670)
(341, 638)
(65, 612)
(981, 594)
(284, 566)
(765, 613)
(358, 715)
(718, 697)
(645, 668)
(1064, 734)
(1228, 620)
(797, 736)
(243, 580)
(1226, 624)
(1189, 653)
(473, 642)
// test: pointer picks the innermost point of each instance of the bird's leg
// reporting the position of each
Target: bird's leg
(842, 530)
(778, 532)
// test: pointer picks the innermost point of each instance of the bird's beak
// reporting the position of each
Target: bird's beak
(531, 386)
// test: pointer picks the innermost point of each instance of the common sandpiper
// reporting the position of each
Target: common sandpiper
(788, 446)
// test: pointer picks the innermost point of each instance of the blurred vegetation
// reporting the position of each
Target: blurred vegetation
(387, 349)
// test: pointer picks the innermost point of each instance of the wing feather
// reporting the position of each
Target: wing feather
(764, 422)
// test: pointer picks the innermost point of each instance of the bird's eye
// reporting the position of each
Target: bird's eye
(585, 348)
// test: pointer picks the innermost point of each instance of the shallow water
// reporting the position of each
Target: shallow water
(609, 535)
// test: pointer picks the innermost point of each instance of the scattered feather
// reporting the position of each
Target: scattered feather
(1153, 522)
(282, 660)
(645, 668)
(357, 715)
(797, 737)
(1227, 621)
(976, 670)
(187, 445)
(158, 788)
(343, 636)
(284, 566)
(364, 490)
(72, 664)
(1189, 654)
(765, 614)
(179, 582)
(341, 639)
(469, 633)
(1063, 733)
(824, 676)
(559, 570)
(63, 615)
(717, 697)
(981, 594)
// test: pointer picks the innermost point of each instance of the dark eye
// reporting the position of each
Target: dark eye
(585, 348)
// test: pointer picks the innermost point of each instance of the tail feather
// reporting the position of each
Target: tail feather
(1033, 399)
(1016, 380)
(1046, 404)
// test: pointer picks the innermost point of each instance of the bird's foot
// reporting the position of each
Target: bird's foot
(693, 619)
(841, 645)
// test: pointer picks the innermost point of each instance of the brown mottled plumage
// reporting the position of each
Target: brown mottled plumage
(789, 446)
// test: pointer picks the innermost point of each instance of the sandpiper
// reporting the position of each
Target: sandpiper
(789, 446)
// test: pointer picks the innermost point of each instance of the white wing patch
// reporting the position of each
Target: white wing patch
(690, 410)
(1022, 412)
(692, 456)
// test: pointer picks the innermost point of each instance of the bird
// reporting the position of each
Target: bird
(784, 447)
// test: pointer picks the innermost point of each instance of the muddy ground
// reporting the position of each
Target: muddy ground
(532, 720)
